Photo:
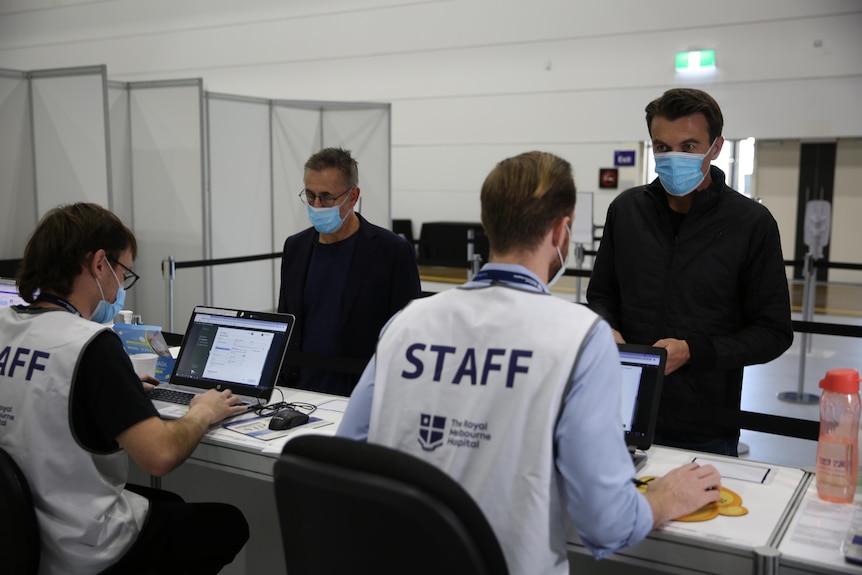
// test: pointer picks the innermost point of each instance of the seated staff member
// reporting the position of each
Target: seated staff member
(343, 277)
(515, 393)
(74, 404)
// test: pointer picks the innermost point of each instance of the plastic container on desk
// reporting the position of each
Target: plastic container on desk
(838, 443)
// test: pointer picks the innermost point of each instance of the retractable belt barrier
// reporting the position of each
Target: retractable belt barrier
(762, 422)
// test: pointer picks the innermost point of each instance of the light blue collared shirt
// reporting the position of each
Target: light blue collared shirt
(604, 506)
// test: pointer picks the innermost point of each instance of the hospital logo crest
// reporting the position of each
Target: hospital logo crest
(431, 431)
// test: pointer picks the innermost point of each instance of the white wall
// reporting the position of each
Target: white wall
(472, 81)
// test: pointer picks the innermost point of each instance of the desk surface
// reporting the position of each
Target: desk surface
(783, 511)
(814, 540)
(233, 451)
(724, 544)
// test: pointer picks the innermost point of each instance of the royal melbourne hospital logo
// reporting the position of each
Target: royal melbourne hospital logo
(431, 430)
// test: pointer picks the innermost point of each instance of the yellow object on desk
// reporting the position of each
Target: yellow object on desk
(729, 504)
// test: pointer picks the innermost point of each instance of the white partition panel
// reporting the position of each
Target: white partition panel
(17, 188)
(121, 163)
(167, 194)
(70, 136)
(240, 200)
(295, 136)
(365, 132)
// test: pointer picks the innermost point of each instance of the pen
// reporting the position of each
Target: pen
(639, 483)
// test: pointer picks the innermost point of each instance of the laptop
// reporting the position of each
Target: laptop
(643, 376)
(223, 349)
(9, 293)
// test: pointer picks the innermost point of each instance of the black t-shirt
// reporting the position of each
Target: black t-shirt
(107, 396)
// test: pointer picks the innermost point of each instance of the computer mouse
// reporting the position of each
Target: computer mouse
(286, 419)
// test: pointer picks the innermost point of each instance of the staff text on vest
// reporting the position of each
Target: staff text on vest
(9, 360)
(470, 363)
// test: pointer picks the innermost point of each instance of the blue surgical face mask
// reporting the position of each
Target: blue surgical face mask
(105, 311)
(680, 172)
(326, 220)
(563, 262)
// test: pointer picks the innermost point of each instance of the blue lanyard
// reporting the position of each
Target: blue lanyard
(60, 302)
(508, 277)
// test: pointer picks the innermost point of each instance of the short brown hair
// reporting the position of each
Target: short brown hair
(61, 242)
(522, 197)
(680, 102)
(338, 159)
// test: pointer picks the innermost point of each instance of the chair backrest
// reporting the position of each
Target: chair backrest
(352, 507)
(19, 530)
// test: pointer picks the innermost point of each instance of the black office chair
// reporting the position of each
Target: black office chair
(352, 507)
(19, 530)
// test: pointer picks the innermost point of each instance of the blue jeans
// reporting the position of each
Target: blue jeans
(694, 442)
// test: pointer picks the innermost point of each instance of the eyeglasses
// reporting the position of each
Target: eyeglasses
(326, 199)
(129, 277)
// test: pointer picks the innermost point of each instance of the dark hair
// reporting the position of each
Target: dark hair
(680, 102)
(522, 197)
(339, 159)
(61, 242)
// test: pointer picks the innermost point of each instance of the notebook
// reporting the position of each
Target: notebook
(9, 293)
(231, 349)
(643, 375)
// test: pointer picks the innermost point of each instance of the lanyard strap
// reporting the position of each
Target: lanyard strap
(60, 302)
(509, 277)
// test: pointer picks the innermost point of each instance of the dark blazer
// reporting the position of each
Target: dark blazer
(383, 277)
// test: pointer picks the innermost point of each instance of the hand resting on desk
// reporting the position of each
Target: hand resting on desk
(682, 491)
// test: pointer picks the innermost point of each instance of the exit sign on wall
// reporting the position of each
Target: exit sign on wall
(624, 158)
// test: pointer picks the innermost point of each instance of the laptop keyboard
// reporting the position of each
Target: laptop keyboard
(180, 397)
(171, 396)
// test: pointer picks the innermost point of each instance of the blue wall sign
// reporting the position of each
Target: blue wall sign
(624, 158)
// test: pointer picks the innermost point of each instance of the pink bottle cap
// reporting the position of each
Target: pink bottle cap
(841, 381)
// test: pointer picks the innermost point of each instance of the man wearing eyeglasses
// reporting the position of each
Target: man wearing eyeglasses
(72, 412)
(342, 278)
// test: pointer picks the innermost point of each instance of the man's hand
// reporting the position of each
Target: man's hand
(677, 353)
(216, 405)
(149, 382)
(618, 337)
(682, 491)
(158, 446)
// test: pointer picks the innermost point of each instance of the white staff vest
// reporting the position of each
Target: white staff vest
(472, 380)
(87, 519)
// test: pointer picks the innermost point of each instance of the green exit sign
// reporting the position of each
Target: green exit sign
(697, 60)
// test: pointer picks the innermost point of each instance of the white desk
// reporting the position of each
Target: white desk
(231, 451)
(232, 468)
(814, 538)
(236, 469)
(723, 544)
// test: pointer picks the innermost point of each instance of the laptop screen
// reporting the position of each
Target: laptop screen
(9, 293)
(233, 349)
(643, 375)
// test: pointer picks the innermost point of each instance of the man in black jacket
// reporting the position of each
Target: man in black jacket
(689, 264)
(342, 278)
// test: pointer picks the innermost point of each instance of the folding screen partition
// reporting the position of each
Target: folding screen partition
(170, 212)
(17, 185)
(70, 136)
(196, 175)
(240, 173)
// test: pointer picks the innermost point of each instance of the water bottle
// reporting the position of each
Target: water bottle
(838, 444)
